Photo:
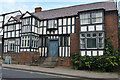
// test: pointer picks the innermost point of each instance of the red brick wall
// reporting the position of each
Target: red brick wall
(74, 39)
(23, 57)
(14, 57)
(111, 27)
(27, 57)
(66, 62)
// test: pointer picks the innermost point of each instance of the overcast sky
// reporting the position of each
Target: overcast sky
(29, 5)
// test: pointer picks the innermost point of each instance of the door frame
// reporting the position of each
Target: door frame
(49, 45)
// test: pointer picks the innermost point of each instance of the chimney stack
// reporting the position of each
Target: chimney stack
(38, 9)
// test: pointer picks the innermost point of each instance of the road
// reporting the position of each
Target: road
(12, 74)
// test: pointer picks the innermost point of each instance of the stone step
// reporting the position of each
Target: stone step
(50, 62)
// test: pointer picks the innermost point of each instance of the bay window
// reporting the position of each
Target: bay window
(25, 41)
(92, 40)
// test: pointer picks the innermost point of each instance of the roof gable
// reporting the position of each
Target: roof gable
(12, 19)
(27, 14)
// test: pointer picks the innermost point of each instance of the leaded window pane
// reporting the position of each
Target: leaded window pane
(88, 35)
(91, 43)
(97, 17)
(82, 35)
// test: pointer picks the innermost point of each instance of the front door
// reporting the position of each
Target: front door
(53, 48)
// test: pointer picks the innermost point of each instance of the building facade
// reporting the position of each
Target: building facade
(60, 32)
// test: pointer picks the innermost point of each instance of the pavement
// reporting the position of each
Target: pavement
(66, 72)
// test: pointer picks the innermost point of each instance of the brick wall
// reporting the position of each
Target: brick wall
(74, 39)
(23, 57)
(111, 27)
(66, 62)
(14, 57)
(27, 57)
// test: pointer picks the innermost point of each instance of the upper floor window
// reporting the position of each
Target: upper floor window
(10, 27)
(52, 24)
(85, 18)
(97, 17)
(26, 21)
(26, 28)
(91, 17)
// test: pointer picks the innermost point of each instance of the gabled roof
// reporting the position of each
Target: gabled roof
(73, 10)
(14, 18)
(27, 14)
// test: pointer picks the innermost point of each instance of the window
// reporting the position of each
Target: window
(17, 33)
(97, 17)
(52, 24)
(91, 17)
(10, 27)
(92, 40)
(11, 45)
(34, 42)
(26, 21)
(82, 42)
(17, 26)
(60, 22)
(85, 18)
(25, 41)
(36, 22)
(91, 43)
(26, 28)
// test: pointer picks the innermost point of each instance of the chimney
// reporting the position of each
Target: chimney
(38, 9)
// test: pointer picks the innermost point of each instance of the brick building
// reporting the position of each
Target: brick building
(60, 32)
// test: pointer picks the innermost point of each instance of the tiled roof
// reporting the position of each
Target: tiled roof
(73, 10)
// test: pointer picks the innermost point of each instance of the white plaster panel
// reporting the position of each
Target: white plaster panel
(84, 28)
(63, 52)
(69, 29)
(94, 53)
(64, 30)
(101, 53)
(99, 27)
(91, 28)
(73, 29)
(60, 51)
(66, 52)
(82, 53)
(89, 53)
(40, 51)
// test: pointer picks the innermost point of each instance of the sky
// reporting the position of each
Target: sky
(29, 5)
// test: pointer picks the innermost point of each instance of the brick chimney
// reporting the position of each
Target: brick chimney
(38, 9)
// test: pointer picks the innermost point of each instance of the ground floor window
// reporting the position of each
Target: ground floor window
(25, 41)
(34, 41)
(93, 40)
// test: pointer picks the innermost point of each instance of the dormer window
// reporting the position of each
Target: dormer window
(52, 24)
